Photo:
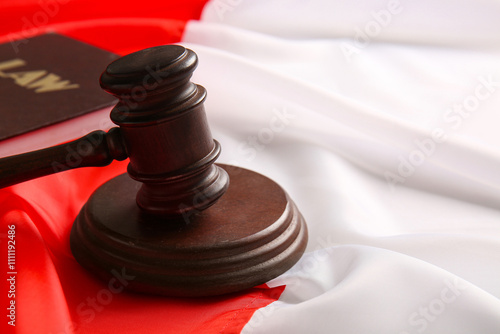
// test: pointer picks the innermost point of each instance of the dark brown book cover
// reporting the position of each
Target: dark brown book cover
(49, 79)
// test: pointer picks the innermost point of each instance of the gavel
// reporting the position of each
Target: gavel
(176, 223)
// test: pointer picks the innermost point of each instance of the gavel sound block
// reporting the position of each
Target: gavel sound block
(177, 223)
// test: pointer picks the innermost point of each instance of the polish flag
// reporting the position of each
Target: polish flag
(379, 118)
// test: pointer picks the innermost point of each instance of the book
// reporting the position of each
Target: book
(49, 92)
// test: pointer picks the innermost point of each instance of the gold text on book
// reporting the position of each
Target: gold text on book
(40, 81)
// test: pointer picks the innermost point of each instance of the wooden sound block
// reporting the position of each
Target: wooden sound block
(252, 234)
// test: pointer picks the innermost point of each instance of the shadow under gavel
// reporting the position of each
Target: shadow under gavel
(175, 222)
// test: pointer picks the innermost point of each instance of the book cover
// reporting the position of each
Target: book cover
(49, 79)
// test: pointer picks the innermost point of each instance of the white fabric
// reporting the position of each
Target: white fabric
(380, 119)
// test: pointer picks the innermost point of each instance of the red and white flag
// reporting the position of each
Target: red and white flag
(379, 118)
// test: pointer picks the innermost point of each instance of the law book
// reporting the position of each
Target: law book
(50, 93)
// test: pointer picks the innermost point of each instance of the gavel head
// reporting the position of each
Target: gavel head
(163, 124)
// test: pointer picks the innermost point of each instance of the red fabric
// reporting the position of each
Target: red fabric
(116, 25)
(53, 294)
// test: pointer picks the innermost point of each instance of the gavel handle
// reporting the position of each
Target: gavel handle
(97, 148)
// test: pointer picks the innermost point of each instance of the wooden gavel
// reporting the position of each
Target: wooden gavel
(163, 130)
(170, 235)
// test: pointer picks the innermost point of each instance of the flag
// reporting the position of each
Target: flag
(377, 117)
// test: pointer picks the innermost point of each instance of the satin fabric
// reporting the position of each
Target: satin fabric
(53, 294)
(379, 118)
